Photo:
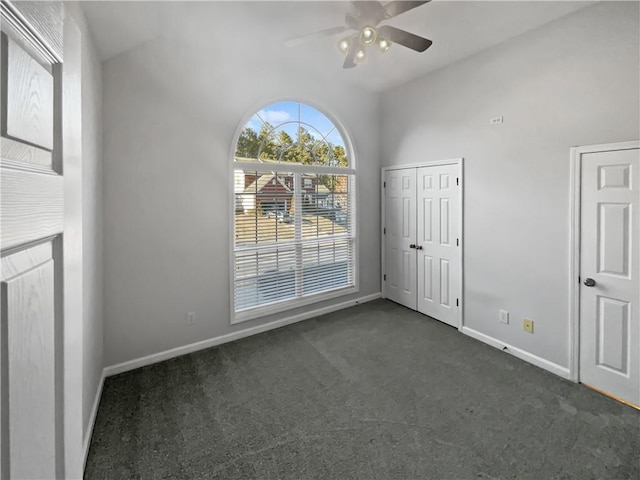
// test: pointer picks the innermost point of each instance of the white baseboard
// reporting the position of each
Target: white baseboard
(517, 352)
(230, 337)
(88, 433)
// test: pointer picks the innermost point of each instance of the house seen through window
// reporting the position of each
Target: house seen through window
(294, 228)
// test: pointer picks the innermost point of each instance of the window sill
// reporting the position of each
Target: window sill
(286, 305)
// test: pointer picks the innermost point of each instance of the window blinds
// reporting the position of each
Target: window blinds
(294, 236)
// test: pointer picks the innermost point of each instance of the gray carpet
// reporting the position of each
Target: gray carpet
(372, 392)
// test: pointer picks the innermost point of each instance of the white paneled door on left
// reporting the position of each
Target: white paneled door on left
(610, 272)
(31, 222)
(422, 241)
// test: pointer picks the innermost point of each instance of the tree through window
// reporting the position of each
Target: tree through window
(294, 229)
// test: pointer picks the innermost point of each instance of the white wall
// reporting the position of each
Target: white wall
(168, 138)
(92, 249)
(572, 82)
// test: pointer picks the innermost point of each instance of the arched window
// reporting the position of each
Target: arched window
(294, 206)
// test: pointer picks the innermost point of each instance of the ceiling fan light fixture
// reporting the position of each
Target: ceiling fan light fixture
(368, 36)
(344, 44)
(383, 44)
(363, 21)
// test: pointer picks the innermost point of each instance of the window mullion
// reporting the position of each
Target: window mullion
(297, 221)
(294, 168)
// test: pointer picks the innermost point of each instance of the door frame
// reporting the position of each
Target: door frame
(574, 245)
(452, 161)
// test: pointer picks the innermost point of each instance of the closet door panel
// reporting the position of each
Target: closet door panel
(438, 244)
(400, 224)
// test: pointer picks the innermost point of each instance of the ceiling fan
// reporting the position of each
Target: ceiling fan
(364, 20)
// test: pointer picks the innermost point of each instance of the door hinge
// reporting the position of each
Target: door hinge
(384, 184)
(385, 277)
(457, 181)
(457, 242)
(384, 231)
(578, 278)
(457, 302)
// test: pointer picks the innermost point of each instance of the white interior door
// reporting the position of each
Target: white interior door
(610, 272)
(31, 221)
(438, 197)
(400, 236)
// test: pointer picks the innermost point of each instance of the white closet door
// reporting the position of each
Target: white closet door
(400, 224)
(438, 251)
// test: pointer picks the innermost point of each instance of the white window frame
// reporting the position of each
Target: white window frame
(296, 169)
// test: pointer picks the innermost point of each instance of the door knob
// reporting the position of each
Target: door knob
(418, 247)
(412, 245)
(590, 282)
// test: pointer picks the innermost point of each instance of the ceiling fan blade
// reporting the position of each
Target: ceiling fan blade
(292, 42)
(404, 38)
(349, 62)
(371, 12)
(352, 21)
(400, 6)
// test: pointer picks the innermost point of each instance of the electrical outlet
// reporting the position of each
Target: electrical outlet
(527, 325)
(504, 316)
(191, 318)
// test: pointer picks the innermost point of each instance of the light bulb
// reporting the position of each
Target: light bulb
(360, 54)
(368, 35)
(384, 44)
(344, 44)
